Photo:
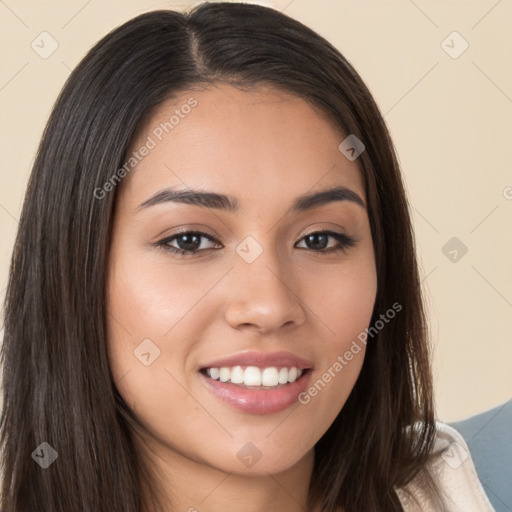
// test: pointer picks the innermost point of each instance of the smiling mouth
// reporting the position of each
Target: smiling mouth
(253, 377)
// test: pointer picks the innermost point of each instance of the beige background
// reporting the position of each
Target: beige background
(451, 120)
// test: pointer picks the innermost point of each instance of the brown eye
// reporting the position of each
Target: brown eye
(188, 242)
(319, 241)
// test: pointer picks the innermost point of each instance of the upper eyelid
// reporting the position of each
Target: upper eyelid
(190, 232)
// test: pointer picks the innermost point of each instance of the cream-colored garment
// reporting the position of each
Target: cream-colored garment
(455, 472)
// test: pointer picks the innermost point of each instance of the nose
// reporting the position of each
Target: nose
(263, 296)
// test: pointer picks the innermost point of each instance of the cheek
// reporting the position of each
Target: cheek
(156, 315)
(343, 298)
(347, 306)
(152, 298)
(145, 296)
(344, 307)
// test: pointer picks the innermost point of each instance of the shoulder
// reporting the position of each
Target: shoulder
(452, 467)
(489, 437)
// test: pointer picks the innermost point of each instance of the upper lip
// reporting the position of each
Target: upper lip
(262, 360)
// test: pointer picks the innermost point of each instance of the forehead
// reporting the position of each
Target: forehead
(240, 142)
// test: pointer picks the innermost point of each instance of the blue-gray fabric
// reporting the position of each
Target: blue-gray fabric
(489, 438)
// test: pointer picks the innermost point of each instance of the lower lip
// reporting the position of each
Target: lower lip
(258, 401)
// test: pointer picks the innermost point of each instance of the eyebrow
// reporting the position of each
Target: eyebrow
(230, 204)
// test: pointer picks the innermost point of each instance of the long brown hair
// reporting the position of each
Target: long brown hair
(57, 384)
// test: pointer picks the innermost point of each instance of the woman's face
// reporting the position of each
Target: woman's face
(259, 295)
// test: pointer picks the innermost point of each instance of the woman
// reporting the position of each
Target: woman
(214, 301)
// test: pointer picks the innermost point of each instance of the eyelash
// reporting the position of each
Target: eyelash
(344, 242)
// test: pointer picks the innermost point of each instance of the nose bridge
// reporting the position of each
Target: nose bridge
(258, 261)
(262, 292)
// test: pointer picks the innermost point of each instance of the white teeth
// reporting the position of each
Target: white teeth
(269, 377)
(224, 374)
(292, 374)
(254, 376)
(283, 376)
(237, 375)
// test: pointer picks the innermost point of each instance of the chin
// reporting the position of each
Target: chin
(249, 460)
